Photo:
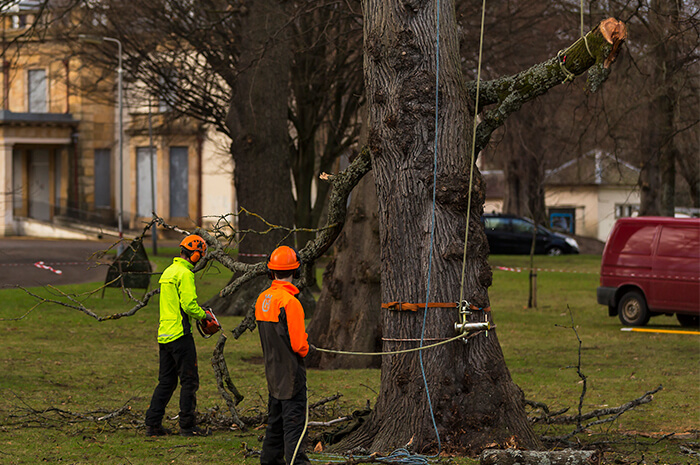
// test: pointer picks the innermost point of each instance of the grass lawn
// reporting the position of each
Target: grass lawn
(61, 370)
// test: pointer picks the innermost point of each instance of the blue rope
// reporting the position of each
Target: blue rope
(432, 226)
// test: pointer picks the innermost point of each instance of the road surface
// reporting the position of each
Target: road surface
(32, 262)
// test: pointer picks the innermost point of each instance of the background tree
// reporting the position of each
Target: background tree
(347, 313)
(214, 65)
(651, 120)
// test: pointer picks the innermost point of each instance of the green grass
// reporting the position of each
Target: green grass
(60, 358)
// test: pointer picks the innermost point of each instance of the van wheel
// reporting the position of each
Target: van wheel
(554, 251)
(688, 320)
(633, 309)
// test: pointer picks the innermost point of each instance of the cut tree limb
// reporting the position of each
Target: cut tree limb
(593, 53)
(522, 457)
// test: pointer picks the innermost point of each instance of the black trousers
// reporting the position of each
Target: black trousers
(178, 359)
(285, 424)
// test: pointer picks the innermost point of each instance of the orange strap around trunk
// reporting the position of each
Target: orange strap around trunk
(406, 306)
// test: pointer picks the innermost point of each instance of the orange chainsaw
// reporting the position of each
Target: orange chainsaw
(208, 326)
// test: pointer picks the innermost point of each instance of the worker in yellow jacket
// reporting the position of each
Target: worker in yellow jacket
(178, 354)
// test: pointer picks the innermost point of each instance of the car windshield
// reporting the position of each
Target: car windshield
(522, 226)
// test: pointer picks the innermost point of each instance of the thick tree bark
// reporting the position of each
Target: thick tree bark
(347, 314)
(474, 399)
(257, 122)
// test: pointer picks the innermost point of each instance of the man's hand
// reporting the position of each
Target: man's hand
(207, 315)
(312, 350)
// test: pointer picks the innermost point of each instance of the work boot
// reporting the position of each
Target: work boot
(153, 431)
(194, 431)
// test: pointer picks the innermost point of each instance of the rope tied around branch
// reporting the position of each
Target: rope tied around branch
(561, 58)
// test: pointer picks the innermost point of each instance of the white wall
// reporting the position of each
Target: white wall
(609, 197)
(218, 195)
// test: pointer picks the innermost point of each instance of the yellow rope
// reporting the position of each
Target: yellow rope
(473, 150)
(393, 352)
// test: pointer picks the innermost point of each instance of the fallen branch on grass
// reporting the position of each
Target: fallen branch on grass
(616, 411)
(325, 401)
(55, 415)
(75, 304)
(524, 457)
(223, 381)
(546, 414)
(601, 416)
(331, 422)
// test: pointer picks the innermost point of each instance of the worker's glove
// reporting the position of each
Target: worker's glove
(312, 350)
(207, 315)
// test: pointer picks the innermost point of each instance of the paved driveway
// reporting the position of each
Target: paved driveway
(37, 262)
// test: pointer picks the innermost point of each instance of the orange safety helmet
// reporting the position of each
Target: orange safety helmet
(195, 245)
(283, 258)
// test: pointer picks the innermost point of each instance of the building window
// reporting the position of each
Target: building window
(563, 220)
(37, 96)
(19, 21)
(624, 210)
(145, 181)
(103, 178)
(179, 183)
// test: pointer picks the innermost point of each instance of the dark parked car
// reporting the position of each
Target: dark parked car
(510, 234)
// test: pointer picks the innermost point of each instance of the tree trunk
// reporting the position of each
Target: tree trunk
(257, 121)
(658, 177)
(347, 315)
(525, 151)
(474, 399)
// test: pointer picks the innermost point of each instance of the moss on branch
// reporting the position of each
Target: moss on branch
(593, 53)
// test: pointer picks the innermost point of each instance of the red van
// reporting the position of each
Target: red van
(651, 266)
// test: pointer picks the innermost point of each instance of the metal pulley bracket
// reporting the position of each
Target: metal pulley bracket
(466, 328)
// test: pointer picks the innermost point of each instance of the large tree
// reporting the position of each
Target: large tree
(474, 400)
(282, 80)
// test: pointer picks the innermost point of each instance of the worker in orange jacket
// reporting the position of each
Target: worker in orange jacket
(280, 319)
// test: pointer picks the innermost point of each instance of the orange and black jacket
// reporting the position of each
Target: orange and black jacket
(280, 319)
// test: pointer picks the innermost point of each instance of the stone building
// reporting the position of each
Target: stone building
(60, 157)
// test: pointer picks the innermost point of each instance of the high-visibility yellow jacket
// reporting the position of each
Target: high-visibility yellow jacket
(178, 301)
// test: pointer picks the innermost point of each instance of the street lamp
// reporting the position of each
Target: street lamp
(120, 220)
